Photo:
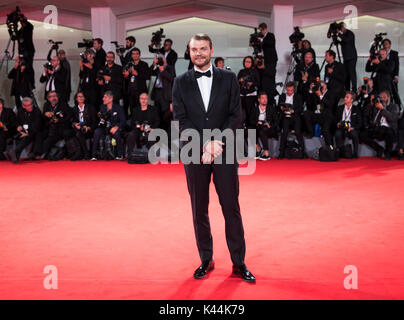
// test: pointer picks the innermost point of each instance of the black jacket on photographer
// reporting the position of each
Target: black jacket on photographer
(137, 84)
(88, 118)
(171, 57)
(99, 59)
(297, 105)
(88, 84)
(248, 75)
(348, 45)
(271, 116)
(125, 59)
(166, 78)
(381, 74)
(8, 120)
(21, 86)
(116, 82)
(25, 42)
(269, 50)
(336, 80)
(31, 119)
(116, 115)
(63, 122)
(150, 115)
(392, 56)
(313, 72)
(55, 81)
(356, 116)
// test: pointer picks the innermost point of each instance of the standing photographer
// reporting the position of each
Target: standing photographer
(110, 78)
(88, 77)
(22, 81)
(383, 126)
(334, 76)
(350, 56)
(129, 46)
(270, 57)
(382, 71)
(54, 76)
(392, 56)
(248, 79)
(100, 54)
(169, 54)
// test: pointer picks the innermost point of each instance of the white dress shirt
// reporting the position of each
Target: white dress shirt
(205, 86)
(289, 99)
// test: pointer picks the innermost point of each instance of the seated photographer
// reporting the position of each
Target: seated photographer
(84, 122)
(291, 108)
(349, 123)
(248, 79)
(144, 119)
(54, 77)
(382, 71)
(383, 126)
(22, 81)
(306, 73)
(364, 93)
(135, 74)
(7, 127)
(112, 122)
(167, 52)
(28, 122)
(334, 77)
(319, 111)
(88, 77)
(130, 43)
(57, 115)
(264, 118)
(110, 78)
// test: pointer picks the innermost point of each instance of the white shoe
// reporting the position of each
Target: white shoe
(93, 159)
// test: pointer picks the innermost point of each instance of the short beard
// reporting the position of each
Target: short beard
(207, 61)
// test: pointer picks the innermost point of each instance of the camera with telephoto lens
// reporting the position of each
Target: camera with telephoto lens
(48, 66)
(345, 125)
(255, 42)
(157, 36)
(376, 45)
(129, 65)
(55, 44)
(245, 83)
(118, 48)
(377, 100)
(18, 135)
(12, 22)
(56, 115)
(286, 109)
(87, 43)
(105, 120)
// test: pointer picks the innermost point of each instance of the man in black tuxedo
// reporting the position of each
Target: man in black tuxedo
(334, 76)
(130, 45)
(350, 56)
(54, 78)
(291, 108)
(206, 97)
(270, 57)
(349, 123)
(392, 56)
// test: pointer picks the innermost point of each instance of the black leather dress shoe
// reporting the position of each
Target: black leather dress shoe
(244, 273)
(204, 269)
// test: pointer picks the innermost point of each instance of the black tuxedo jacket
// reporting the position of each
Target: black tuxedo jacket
(63, 122)
(297, 104)
(166, 78)
(89, 115)
(224, 110)
(336, 79)
(356, 116)
(59, 81)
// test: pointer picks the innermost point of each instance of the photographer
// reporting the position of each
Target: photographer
(187, 56)
(135, 73)
(162, 90)
(169, 54)
(66, 65)
(57, 115)
(112, 123)
(319, 111)
(334, 76)
(110, 78)
(130, 45)
(266, 79)
(7, 127)
(306, 73)
(144, 120)
(306, 44)
(364, 93)
(84, 122)
(248, 79)
(88, 77)
(22, 81)
(382, 71)
(264, 119)
(54, 76)
(392, 56)
(100, 54)
(291, 107)
(349, 124)
(270, 57)
(350, 56)
(28, 128)
(383, 126)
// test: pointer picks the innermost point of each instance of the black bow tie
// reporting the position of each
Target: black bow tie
(201, 74)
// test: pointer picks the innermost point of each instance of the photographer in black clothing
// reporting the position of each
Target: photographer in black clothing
(364, 93)
(57, 118)
(306, 73)
(382, 71)
(22, 81)
(270, 59)
(28, 128)
(249, 81)
(334, 76)
(187, 56)
(264, 118)
(100, 54)
(290, 108)
(383, 126)
(167, 52)
(129, 46)
(306, 47)
(350, 57)
(266, 79)
(135, 74)
(88, 78)
(319, 111)
(349, 123)
(84, 122)
(145, 118)
(54, 77)
(7, 127)
(110, 78)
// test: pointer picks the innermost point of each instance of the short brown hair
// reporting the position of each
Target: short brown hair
(202, 36)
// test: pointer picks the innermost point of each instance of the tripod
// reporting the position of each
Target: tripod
(7, 57)
(335, 43)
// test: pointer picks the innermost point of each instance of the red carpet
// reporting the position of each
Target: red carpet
(119, 231)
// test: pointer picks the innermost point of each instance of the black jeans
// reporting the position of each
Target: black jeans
(324, 119)
(387, 134)
(341, 134)
(350, 74)
(264, 133)
(290, 123)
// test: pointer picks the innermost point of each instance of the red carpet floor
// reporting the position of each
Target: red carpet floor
(119, 231)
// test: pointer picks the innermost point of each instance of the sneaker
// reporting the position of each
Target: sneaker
(119, 158)
(263, 157)
(93, 159)
(258, 154)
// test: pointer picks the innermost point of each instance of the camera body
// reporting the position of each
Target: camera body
(87, 43)
(118, 48)
(255, 42)
(345, 125)
(334, 29)
(105, 120)
(296, 36)
(157, 37)
(12, 21)
(48, 66)
(286, 109)
(377, 44)
(129, 65)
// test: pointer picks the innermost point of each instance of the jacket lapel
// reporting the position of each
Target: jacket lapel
(215, 87)
(195, 88)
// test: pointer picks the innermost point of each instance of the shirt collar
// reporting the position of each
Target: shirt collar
(199, 70)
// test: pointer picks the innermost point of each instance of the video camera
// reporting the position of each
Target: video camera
(87, 43)
(376, 45)
(157, 36)
(118, 47)
(334, 29)
(296, 36)
(255, 42)
(55, 44)
(12, 22)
